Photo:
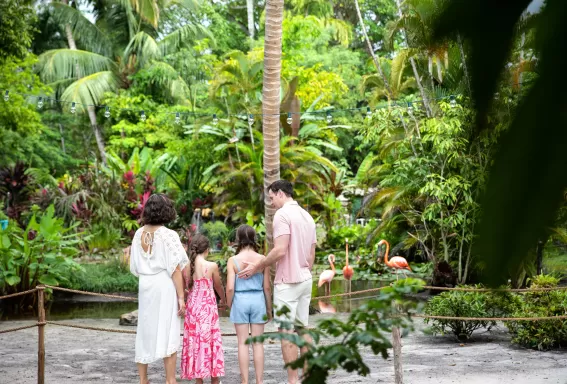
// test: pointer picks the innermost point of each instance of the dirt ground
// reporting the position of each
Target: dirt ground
(81, 356)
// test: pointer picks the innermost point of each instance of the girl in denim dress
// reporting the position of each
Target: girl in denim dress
(250, 301)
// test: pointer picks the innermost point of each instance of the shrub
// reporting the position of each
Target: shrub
(541, 335)
(41, 253)
(106, 277)
(468, 304)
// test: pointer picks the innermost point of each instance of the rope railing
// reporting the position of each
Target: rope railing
(18, 293)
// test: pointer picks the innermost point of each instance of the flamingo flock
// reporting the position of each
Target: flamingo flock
(395, 262)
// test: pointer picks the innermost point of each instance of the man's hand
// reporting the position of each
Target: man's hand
(181, 304)
(249, 271)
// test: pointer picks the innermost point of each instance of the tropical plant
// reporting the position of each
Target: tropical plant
(468, 304)
(367, 326)
(43, 252)
(545, 334)
(129, 41)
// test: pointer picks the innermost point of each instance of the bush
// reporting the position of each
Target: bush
(541, 335)
(109, 277)
(217, 232)
(468, 304)
(42, 253)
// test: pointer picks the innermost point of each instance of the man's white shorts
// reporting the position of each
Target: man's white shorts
(297, 298)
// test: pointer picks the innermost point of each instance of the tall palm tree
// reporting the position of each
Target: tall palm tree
(375, 59)
(398, 82)
(271, 104)
(123, 40)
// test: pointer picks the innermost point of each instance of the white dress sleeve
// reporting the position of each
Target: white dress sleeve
(133, 256)
(175, 254)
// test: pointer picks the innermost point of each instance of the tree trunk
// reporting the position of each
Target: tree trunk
(371, 50)
(539, 258)
(62, 138)
(424, 98)
(91, 110)
(250, 11)
(97, 133)
(271, 105)
(464, 60)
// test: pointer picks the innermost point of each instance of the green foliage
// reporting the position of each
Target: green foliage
(17, 19)
(545, 334)
(43, 253)
(217, 232)
(513, 223)
(108, 277)
(22, 135)
(355, 233)
(468, 304)
(368, 326)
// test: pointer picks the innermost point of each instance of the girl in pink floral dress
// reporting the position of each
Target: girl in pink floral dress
(202, 355)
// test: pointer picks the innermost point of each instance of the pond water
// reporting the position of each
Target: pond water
(70, 306)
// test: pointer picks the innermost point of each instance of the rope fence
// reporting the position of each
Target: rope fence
(396, 342)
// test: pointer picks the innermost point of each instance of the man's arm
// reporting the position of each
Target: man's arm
(281, 243)
(312, 256)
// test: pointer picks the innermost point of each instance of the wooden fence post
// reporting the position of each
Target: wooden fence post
(397, 344)
(41, 334)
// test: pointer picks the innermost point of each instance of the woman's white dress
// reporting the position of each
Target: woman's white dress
(158, 323)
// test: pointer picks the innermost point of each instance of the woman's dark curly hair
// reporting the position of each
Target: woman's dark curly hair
(158, 210)
(246, 237)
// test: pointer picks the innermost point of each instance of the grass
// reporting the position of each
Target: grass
(555, 261)
(106, 277)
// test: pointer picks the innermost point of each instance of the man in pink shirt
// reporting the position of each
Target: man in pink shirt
(294, 253)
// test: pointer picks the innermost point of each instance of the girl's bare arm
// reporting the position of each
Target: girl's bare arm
(230, 279)
(217, 282)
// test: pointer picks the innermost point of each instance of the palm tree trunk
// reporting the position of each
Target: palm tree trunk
(424, 98)
(250, 11)
(464, 61)
(271, 105)
(68, 32)
(91, 110)
(371, 50)
(97, 133)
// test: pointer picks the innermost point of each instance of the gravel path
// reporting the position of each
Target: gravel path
(82, 356)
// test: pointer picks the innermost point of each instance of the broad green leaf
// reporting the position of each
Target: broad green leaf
(48, 280)
(12, 280)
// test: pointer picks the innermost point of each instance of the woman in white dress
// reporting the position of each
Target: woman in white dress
(158, 258)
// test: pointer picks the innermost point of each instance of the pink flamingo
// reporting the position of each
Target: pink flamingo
(326, 308)
(347, 271)
(328, 274)
(396, 262)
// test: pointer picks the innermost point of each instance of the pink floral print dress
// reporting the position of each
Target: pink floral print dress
(202, 356)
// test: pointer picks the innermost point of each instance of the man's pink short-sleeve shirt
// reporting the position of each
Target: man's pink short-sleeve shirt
(295, 221)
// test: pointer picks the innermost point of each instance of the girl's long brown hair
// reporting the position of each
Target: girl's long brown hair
(199, 244)
(246, 237)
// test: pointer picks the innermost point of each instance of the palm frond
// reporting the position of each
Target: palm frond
(83, 30)
(89, 90)
(143, 47)
(183, 37)
(148, 11)
(62, 64)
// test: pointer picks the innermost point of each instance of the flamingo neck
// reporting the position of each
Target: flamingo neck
(331, 261)
(386, 254)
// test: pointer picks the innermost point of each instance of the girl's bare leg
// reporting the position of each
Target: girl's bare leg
(243, 357)
(258, 349)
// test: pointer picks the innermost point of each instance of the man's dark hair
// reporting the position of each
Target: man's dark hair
(281, 185)
(158, 210)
